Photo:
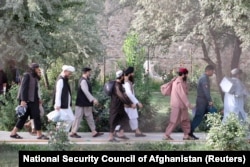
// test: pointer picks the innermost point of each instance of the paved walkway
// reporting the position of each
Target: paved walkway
(88, 139)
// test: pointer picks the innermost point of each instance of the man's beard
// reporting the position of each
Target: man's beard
(185, 78)
(122, 81)
(36, 75)
(131, 79)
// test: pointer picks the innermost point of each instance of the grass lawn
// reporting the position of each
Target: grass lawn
(162, 102)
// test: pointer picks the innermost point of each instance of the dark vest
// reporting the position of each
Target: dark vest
(81, 99)
(28, 92)
(65, 93)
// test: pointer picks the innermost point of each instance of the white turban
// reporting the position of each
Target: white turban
(235, 71)
(119, 73)
(68, 68)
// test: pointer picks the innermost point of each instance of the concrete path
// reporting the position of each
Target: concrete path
(88, 139)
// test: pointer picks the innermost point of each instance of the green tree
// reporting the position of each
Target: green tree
(237, 15)
(135, 56)
(198, 22)
(43, 31)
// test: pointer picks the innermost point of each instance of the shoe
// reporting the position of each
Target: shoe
(98, 134)
(43, 137)
(167, 138)
(113, 140)
(121, 137)
(75, 135)
(16, 136)
(193, 136)
(188, 138)
(140, 135)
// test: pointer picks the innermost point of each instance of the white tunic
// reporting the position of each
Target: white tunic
(234, 100)
(129, 89)
(67, 112)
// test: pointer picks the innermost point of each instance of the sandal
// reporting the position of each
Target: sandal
(16, 136)
(167, 138)
(122, 137)
(75, 135)
(43, 137)
(98, 134)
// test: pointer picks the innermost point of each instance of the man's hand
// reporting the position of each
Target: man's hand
(190, 106)
(57, 108)
(40, 101)
(95, 102)
(23, 103)
(133, 106)
(139, 105)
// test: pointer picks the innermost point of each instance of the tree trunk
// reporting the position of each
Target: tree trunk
(46, 80)
(236, 53)
(218, 70)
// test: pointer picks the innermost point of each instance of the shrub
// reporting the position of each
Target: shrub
(59, 140)
(100, 114)
(229, 135)
(7, 109)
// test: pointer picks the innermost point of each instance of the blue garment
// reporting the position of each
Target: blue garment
(202, 101)
(203, 89)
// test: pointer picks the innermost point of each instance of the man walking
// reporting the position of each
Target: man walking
(62, 98)
(84, 105)
(203, 99)
(130, 92)
(234, 100)
(118, 115)
(28, 96)
(179, 106)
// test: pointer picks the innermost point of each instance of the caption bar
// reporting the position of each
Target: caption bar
(156, 158)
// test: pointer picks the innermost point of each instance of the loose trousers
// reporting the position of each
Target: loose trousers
(79, 113)
(178, 116)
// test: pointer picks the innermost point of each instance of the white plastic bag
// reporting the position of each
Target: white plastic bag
(63, 115)
(54, 116)
(58, 116)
